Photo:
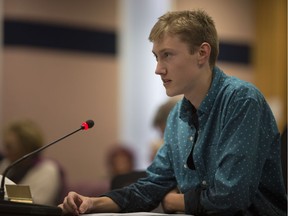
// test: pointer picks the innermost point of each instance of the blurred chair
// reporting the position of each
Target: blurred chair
(125, 179)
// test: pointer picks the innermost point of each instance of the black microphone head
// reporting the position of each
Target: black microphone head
(88, 124)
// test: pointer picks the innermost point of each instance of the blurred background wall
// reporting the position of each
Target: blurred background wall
(63, 62)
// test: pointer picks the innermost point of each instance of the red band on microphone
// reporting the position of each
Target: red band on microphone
(85, 126)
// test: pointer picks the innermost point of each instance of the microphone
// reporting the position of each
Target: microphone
(84, 126)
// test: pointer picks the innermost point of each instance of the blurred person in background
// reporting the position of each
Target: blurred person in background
(121, 166)
(45, 177)
(120, 160)
(159, 123)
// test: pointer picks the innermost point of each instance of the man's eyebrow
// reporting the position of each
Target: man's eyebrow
(161, 51)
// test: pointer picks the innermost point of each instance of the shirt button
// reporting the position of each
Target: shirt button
(191, 138)
(185, 166)
(204, 182)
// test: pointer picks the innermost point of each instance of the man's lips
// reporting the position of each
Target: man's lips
(166, 81)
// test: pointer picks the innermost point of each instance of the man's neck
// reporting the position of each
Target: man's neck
(198, 95)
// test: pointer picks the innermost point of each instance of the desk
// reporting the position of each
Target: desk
(134, 213)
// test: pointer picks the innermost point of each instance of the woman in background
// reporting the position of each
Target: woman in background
(44, 176)
(120, 160)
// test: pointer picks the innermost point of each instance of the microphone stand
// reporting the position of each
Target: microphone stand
(85, 126)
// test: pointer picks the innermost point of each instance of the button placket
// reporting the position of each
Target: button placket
(204, 184)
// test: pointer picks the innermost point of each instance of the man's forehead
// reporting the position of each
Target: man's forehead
(167, 42)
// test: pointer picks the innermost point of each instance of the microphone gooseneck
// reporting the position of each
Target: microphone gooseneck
(84, 126)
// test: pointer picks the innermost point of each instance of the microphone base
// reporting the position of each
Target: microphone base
(25, 209)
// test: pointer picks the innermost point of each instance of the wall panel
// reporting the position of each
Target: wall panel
(60, 88)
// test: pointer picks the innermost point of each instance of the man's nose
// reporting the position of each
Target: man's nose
(160, 69)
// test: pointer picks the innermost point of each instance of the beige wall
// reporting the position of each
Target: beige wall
(61, 89)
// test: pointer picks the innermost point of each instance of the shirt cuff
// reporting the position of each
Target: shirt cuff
(192, 201)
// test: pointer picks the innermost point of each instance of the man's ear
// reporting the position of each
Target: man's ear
(204, 53)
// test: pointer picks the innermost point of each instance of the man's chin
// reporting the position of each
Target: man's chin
(171, 94)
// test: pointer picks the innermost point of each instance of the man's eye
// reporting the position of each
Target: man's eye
(166, 55)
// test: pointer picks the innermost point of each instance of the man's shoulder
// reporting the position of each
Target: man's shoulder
(240, 89)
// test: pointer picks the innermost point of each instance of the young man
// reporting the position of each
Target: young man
(221, 151)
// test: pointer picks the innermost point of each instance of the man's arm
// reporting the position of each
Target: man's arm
(75, 204)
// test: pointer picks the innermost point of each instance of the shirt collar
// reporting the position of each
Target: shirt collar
(186, 109)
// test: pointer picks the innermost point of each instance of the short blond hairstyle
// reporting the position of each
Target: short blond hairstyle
(192, 27)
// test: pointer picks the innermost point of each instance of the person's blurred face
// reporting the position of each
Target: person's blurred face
(121, 164)
(13, 149)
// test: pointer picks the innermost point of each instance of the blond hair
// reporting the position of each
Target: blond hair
(192, 27)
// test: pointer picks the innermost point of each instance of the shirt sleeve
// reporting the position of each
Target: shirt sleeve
(147, 193)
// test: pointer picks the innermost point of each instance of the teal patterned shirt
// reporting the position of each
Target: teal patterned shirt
(224, 157)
